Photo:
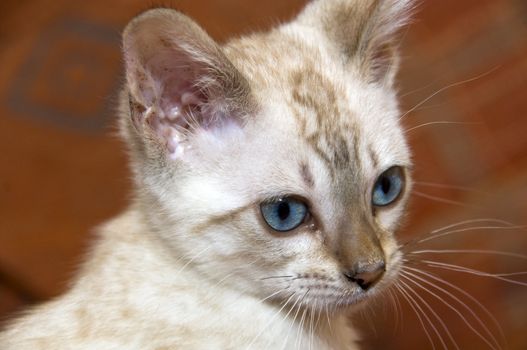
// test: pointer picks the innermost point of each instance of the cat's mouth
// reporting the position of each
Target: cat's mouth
(336, 294)
(342, 299)
(345, 299)
(326, 294)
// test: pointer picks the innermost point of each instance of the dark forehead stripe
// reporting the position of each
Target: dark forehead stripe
(330, 135)
(306, 174)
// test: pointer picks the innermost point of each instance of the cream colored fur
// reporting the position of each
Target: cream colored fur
(308, 110)
(133, 294)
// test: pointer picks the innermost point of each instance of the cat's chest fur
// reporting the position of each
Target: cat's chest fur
(133, 296)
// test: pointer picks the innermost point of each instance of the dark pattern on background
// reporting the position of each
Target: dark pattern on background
(70, 59)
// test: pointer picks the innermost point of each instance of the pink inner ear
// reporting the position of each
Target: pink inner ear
(175, 120)
(173, 102)
(172, 73)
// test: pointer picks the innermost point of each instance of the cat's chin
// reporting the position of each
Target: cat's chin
(355, 299)
(345, 301)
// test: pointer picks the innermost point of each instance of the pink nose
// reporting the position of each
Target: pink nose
(366, 275)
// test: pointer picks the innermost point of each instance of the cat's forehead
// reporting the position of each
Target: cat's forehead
(345, 123)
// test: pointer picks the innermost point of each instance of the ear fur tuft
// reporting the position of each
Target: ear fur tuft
(364, 32)
(179, 80)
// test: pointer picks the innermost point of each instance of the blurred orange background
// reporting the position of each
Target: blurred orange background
(64, 171)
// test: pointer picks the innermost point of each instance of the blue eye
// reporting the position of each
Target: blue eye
(284, 214)
(388, 187)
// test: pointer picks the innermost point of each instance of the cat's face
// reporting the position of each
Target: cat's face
(275, 165)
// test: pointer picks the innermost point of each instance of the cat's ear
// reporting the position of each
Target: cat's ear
(179, 82)
(363, 32)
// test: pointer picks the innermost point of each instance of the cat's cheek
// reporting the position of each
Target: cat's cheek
(298, 244)
(206, 196)
(389, 219)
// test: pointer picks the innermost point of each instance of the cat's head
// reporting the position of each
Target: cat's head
(275, 163)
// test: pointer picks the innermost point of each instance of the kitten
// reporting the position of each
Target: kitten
(270, 173)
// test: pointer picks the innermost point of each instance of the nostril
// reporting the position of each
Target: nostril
(363, 284)
(359, 281)
(366, 276)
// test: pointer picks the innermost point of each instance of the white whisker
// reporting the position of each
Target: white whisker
(418, 89)
(271, 295)
(446, 88)
(469, 325)
(472, 221)
(367, 317)
(310, 328)
(193, 258)
(466, 294)
(469, 251)
(272, 277)
(300, 329)
(319, 311)
(298, 300)
(411, 302)
(445, 186)
(447, 233)
(442, 122)
(328, 318)
(398, 310)
(432, 311)
(457, 268)
(235, 270)
(440, 199)
(264, 328)
(371, 312)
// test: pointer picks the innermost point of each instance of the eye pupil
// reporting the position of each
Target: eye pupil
(283, 210)
(386, 184)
